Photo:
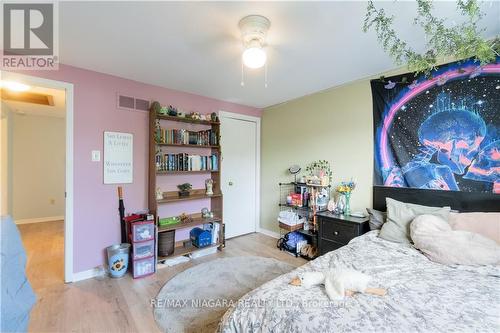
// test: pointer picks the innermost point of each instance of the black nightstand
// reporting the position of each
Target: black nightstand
(337, 230)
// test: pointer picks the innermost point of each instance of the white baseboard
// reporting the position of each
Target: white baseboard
(84, 275)
(40, 219)
(269, 233)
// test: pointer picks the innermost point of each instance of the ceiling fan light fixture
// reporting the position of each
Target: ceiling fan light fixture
(253, 32)
(254, 55)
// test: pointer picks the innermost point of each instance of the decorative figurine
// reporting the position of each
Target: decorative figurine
(206, 214)
(158, 160)
(322, 199)
(331, 205)
(193, 115)
(184, 218)
(158, 132)
(213, 116)
(159, 194)
(156, 107)
(172, 111)
(209, 184)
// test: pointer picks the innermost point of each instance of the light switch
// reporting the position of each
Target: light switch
(96, 155)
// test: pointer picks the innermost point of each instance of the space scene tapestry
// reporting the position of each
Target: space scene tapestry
(440, 132)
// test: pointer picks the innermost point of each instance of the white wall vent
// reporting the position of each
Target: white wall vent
(132, 103)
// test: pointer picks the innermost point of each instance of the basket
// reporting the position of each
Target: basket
(166, 243)
(291, 227)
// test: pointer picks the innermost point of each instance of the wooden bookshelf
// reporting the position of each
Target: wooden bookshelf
(187, 146)
(185, 172)
(195, 195)
(197, 220)
(183, 250)
(183, 176)
(187, 120)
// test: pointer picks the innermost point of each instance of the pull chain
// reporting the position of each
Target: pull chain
(242, 83)
(265, 75)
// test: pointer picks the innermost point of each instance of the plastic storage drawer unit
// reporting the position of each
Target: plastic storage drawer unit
(143, 249)
(142, 231)
(144, 267)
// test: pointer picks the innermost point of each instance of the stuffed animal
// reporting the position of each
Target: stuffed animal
(338, 283)
(309, 251)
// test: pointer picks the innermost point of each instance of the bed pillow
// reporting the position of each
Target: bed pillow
(399, 216)
(440, 243)
(486, 224)
(377, 218)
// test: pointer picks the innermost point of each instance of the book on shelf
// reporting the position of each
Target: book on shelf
(186, 137)
(186, 162)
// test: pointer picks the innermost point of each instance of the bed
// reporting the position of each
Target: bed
(17, 296)
(423, 296)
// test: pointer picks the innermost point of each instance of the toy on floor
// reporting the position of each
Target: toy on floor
(309, 251)
(338, 283)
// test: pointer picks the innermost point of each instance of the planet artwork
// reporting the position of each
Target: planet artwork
(440, 132)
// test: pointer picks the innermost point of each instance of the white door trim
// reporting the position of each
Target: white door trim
(68, 215)
(256, 120)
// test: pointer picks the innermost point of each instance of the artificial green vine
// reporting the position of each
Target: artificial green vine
(321, 165)
(458, 42)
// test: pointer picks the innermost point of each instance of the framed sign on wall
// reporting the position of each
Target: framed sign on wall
(118, 158)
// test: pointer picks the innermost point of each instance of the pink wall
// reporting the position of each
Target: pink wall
(96, 218)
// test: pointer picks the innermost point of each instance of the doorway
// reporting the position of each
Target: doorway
(240, 174)
(37, 153)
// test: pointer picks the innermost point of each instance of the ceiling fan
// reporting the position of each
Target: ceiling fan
(253, 33)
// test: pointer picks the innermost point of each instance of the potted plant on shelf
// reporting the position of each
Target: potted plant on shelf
(184, 189)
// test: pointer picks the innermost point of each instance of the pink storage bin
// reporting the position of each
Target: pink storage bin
(143, 249)
(143, 267)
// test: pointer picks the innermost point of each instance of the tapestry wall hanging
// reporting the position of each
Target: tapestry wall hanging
(440, 132)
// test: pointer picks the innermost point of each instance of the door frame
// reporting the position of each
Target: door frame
(256, 120)
(68, 211)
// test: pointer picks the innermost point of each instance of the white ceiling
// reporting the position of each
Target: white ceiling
(57, 110)
(196, 47)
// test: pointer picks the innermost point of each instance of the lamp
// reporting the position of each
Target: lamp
(254, 55)
(253, 32)
(14, 86)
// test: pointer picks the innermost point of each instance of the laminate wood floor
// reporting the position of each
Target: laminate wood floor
(112, 305)
(44, 244)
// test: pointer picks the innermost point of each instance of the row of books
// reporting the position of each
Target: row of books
(185, 137)
(186, 162)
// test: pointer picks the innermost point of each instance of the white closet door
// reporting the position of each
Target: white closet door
(239, 175)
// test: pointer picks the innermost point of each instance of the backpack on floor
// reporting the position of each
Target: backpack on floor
(289, 241)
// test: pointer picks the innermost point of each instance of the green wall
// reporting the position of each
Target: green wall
(334, 125)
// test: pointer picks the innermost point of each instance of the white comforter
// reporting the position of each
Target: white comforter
(423, 296)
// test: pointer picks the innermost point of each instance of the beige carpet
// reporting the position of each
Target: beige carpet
(196, 299)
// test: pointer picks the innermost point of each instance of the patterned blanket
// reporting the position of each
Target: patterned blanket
(423, 296)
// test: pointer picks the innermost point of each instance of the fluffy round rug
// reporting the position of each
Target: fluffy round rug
(196, 299)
